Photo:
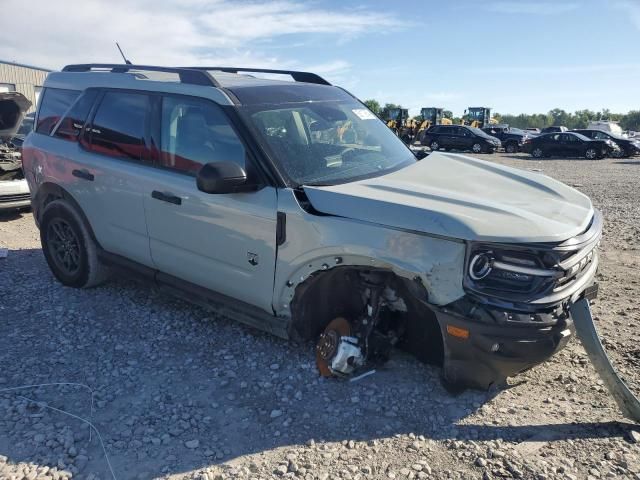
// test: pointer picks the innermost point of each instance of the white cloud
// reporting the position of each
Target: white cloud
(532, 7)
(173, 32)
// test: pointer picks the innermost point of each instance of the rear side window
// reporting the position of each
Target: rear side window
(118, 128)
(73, 122)
(195, 132)
(53, 104)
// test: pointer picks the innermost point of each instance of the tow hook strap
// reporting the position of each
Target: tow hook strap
(586, 330)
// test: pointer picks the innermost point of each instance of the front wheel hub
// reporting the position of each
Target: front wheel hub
(337, 352)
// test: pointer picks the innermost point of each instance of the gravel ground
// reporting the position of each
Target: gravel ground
(180, 392)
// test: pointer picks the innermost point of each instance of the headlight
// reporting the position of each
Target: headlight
(480, 265)
(497, 270)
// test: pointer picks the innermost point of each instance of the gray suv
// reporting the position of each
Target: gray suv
(296, 210)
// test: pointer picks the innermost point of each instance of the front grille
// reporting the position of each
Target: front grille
(17, 197)
(538, 275)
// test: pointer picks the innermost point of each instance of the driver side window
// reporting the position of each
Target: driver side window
(195, 132)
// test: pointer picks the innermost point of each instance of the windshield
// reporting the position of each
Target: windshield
(479, 132)
(326, 143)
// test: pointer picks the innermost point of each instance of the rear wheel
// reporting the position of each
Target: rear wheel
(68, 247)
(591, 153)
(476, 148)
(511, 148)
(435, 146)
(537, 152)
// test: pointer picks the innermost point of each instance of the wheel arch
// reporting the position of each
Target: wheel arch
(48, 192)
(328, 294)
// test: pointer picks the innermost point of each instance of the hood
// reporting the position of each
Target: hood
(462, 197)
(13, 106)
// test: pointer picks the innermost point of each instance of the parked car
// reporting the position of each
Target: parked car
(554, 129)
(459, 137)
(232, 190)
(569, 144)
(512, 139)
(627, 146)
(14, 190)
(25, 127)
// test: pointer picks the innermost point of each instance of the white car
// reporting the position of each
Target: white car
(14, 190)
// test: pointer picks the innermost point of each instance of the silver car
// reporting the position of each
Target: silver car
(296, 210)
(14, 191)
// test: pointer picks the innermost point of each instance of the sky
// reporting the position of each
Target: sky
(516, 56)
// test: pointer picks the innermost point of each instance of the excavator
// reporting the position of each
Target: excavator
(478, 117)
(397, 119)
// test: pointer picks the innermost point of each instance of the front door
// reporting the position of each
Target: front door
(223, 242)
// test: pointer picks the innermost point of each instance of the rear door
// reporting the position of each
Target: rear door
(552, 144)
(100, 159)
(223, 242)
(114, 176)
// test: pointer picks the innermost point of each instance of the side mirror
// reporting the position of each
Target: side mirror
(420, 154)
(221, 177)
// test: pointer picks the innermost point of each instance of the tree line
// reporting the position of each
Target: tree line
(557, 116)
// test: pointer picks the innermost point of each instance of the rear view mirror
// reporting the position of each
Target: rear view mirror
(221, 177)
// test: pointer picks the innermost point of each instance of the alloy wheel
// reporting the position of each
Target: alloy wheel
(477, 148)
(435, 146)
(591, 153)
(537, 152)
(64, 246)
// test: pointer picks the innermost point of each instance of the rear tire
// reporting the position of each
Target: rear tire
(537, 152)
(68, 247)
(476, 148)
(591, 154)
(435, 146)
(511, 148)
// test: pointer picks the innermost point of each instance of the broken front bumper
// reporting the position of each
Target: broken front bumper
(479, 355)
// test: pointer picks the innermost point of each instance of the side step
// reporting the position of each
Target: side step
(586, 330)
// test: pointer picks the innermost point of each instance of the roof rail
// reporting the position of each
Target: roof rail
(306, 77)
(187, 75)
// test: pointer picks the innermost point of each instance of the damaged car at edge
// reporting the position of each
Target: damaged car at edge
(14, 191)
(296, 209)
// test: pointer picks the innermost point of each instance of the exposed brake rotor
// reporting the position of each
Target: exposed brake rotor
(328, 344)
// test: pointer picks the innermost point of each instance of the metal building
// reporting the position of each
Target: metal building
(25, 79)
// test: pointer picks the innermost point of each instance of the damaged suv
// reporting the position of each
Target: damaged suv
(293, 208)
(14, 191)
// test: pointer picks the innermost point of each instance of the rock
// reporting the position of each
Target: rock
(481, 462)
(275, 413)
(633, 436)
(191, 444)
(281, 470)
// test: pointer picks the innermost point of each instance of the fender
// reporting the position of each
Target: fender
(316, 243)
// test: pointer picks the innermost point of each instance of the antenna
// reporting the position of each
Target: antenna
(123, 57)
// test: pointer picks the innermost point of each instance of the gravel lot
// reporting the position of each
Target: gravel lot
(180, 392)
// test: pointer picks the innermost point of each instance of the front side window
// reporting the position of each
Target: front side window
(600, 136)
(195, 132)
(118, 128)
(324, 143)
(54, 104)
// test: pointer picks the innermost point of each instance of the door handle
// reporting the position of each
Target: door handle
(84, 174)
(166, 197)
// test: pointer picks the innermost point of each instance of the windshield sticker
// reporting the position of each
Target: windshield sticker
(364, 114)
